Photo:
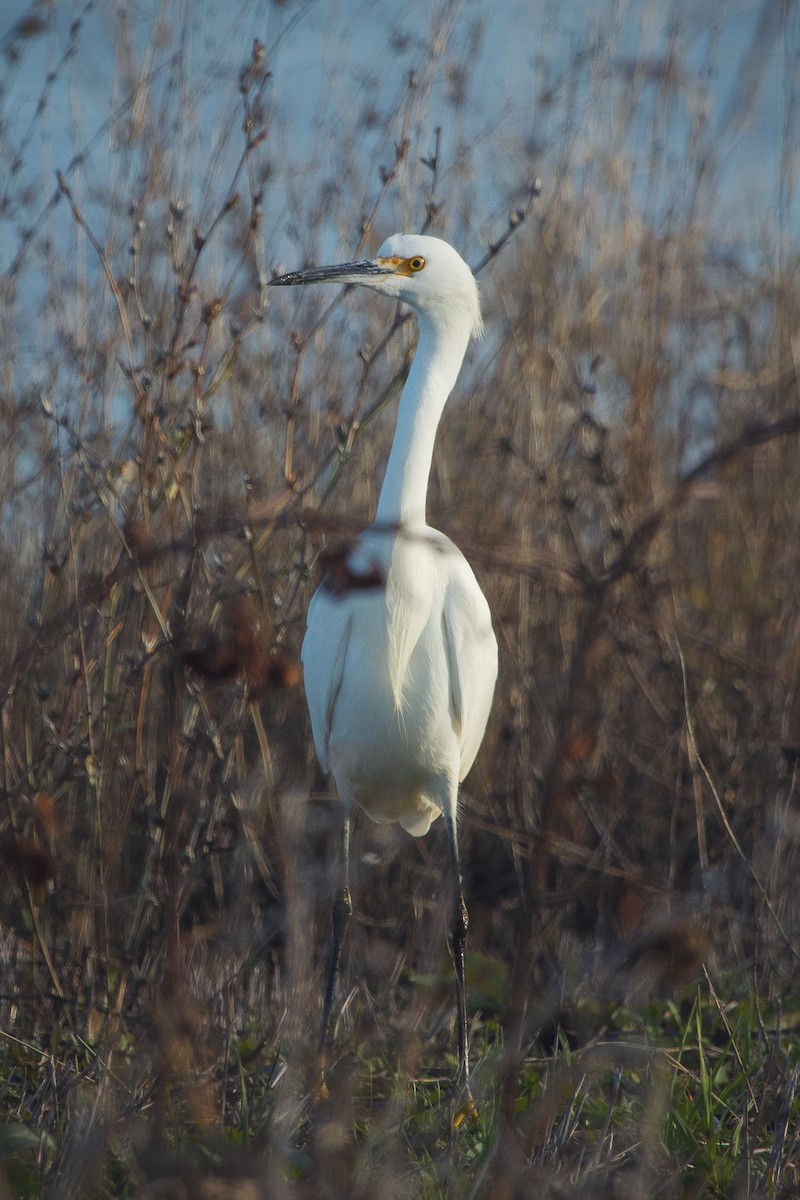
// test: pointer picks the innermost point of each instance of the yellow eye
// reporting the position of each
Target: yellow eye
(416, 263)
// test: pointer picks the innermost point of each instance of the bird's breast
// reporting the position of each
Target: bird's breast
(389, 739)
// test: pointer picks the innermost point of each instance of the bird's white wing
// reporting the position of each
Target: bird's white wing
(471, 657)
(323, 654)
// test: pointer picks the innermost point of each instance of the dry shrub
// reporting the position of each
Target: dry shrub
(170, 473)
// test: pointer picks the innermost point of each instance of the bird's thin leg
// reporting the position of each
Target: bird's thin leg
(458, 938)
(342, 911)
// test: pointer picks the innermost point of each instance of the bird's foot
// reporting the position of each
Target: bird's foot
(466, 1110)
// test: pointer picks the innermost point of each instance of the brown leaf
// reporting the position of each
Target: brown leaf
(215, 659)
(43, 811)
(238, 650)
(581, 745)
(340, 578)
(140, 541)
(33, 864)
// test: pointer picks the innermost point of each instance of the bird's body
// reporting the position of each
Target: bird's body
(387, 672)
(399, 657)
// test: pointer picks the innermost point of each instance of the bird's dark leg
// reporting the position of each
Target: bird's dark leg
(342, 911)
(458, 941)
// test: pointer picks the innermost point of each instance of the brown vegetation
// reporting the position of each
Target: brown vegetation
(619, 463)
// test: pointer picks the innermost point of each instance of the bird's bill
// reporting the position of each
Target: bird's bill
(354, 272)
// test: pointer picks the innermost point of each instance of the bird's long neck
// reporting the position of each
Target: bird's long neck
(440, 352)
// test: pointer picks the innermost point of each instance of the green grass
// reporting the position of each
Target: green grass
(683, 1098)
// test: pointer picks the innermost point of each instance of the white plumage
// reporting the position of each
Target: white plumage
(399, 656)
(399, 677)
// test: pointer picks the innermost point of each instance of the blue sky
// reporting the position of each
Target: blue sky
(333, 61)
(568, 91)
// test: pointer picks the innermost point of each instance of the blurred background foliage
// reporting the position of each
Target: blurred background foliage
(618, 462)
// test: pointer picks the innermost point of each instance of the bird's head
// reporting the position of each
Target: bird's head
(424, 272)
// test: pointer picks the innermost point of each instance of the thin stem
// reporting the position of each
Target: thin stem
(342, 911)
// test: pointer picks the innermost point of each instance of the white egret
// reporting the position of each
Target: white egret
(399, 656)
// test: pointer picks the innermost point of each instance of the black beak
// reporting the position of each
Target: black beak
(354, 272)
